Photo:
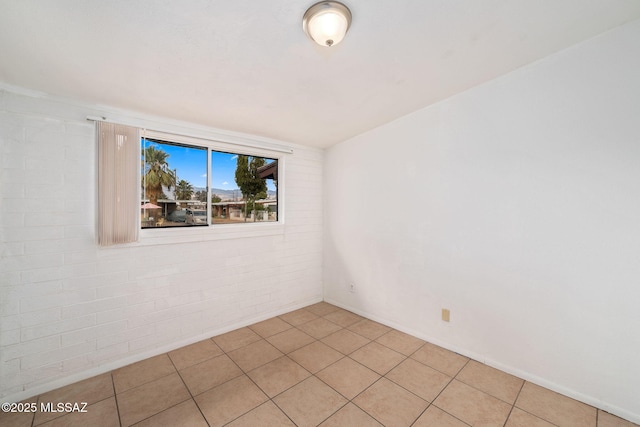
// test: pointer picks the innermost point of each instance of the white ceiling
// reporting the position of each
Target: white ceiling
(247, 66)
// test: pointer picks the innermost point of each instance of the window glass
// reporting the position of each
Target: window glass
(175, 186)
(172, 175)
(243, 188)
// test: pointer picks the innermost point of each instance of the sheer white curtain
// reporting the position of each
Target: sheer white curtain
(118, 183)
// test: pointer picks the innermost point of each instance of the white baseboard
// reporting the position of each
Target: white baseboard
(110, 366)
(543, 382)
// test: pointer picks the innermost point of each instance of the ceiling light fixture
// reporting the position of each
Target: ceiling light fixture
(327, 22)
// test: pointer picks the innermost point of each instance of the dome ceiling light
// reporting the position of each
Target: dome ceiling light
(327, 22)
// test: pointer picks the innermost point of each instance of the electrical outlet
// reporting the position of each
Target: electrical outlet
(446, 314)
(352, 287)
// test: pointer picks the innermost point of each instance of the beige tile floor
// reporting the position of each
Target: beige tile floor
(320, 365)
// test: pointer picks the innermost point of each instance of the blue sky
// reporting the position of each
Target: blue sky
(191, 165)
(223, 170)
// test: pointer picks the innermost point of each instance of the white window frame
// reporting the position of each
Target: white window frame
(173, 235)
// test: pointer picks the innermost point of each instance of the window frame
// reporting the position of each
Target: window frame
(171, 235)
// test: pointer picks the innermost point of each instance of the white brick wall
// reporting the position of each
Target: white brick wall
(69, 309)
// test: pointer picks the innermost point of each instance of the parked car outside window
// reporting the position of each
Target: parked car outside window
(177, 216)
(196, 216)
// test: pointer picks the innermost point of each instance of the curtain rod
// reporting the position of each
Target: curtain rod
(229, 139)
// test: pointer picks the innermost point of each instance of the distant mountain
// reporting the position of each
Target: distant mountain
(234, 194)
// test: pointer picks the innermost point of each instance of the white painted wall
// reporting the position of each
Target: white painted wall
(517, 206)
(70, 309)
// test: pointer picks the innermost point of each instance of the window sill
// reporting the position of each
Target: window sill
(169, 236)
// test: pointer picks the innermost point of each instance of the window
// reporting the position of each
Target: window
(190, 185)
(243, 189)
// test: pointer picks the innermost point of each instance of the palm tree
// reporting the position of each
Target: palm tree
(156, 173)
(184, 190)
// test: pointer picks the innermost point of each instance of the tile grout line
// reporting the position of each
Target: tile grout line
(455, 377)
(533, 415)
(319, 340)
(115, 397)
(165, 409)
(315, 374)
(381, 376)
(445, 387)
(405, 357)
(188, 390)
(362, 409)
(514, 403)
(246, 374)
(271, 399)
(282, 410)
(33, 419)
(487, 393)
(338, 410)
